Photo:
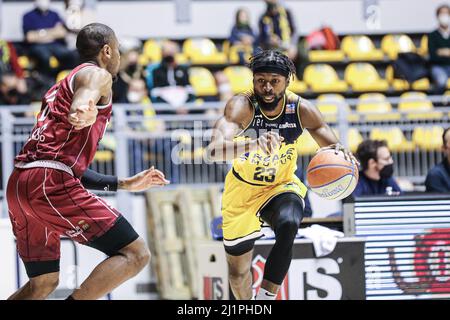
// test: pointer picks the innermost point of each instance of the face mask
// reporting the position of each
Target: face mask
(387, 171)
(13, 93)
(134, 97)
(444, 19)
(43, 5)
(169, 59)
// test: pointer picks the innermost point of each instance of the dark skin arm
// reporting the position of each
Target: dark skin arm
(91, 85)
(313, 121)
(237, 116)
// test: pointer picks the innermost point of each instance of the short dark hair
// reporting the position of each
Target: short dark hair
(442, 6)
(92, 38)
(367, 150)
(272, 59)
(443, 136)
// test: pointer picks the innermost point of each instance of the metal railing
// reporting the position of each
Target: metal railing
(175, 143)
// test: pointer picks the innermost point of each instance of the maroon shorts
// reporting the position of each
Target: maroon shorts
(46, 203)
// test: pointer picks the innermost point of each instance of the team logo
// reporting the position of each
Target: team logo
(290, 108)
(431, 264)
(258, 264)
(84, 225)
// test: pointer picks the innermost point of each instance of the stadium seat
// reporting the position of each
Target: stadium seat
(393, 44)
(375, 107)
(423, 49)
(417, 106)
(24, 62)
(296, 85)
(234, 53)
(394, 137)
(428, 138)
(203, 51)
(326, 55)
(354, 138)
(306, 144)
(240, 78)
(328, 105)
(402, 85)
(363, 76)
(61, 75)
(360, 48)
(202, 82)
(152, 51)
(323, 78)
(54, 63)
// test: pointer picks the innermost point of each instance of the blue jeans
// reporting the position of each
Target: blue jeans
(439, 75)
(43, 52)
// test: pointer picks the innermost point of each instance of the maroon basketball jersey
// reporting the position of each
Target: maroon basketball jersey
(54, 138)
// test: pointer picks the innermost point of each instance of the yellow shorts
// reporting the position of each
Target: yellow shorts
(241, 204)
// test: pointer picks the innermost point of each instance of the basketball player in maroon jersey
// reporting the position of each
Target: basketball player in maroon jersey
(46, 191)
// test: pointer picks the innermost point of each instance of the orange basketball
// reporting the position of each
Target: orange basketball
(330, 176)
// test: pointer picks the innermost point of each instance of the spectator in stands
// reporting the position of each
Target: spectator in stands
(171, 80)
(13, 87)
(439, 49)
(242, 36)
(438, 178)
(44, 31)
(76, 15)
(277, 29)
(375, 178)
(130, 69)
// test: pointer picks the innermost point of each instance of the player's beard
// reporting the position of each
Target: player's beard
(269, 106)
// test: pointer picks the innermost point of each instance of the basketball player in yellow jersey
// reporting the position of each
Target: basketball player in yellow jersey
(258, 132)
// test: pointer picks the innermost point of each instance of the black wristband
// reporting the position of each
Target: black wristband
(97, 181)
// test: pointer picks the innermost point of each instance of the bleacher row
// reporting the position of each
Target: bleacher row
(357, 52)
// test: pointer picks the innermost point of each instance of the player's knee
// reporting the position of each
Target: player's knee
(43, 285)
(139, 255)
(288, 227)
(238, 274)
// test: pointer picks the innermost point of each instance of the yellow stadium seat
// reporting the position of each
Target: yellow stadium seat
(202, 81)
(393, 44)
(61, 75)
(152, 51)
(54, 63)
(423, 49)
(363, 76)
(360, 48)
(296, 85)
(24, 62)
(240, 78)
(428, 138)
(326, 55)
(226, 47)
(104, 155)
(417, 106)
(306, 144)
(354, 138)
(236, 49)
(375, 107)
(323, 78)
(203, 51)
(401, 85)
(328, 105)
(394, 137)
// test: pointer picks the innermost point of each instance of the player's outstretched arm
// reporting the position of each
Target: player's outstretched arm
(313, 121)
(90, 85)
(139, 182)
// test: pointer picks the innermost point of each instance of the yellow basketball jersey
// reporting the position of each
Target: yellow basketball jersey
(258, 168)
